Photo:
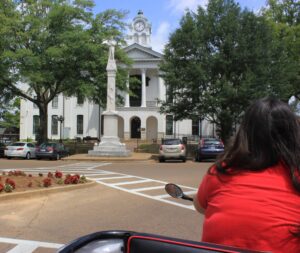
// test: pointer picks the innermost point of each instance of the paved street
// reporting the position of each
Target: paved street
(127, 196)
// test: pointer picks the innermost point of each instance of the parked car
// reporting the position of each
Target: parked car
(52, 150)
(20, 149)
(209, 148)
(2, 149)
(172, 149)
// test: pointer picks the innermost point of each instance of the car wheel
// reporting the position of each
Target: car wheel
(27, 157)
(8, 157)
(184, 160)
(161, 159)
(38, 158)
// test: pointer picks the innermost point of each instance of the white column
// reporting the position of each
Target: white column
(127, 104)
(160, 89)
(143, 88)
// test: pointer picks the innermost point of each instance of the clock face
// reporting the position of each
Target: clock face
(139, 26)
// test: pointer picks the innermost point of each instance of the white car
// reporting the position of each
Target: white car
(20, 149)
(172, 149)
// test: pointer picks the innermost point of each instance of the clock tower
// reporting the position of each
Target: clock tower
(140, 31)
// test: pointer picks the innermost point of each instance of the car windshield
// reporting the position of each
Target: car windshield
(46, 145)
(172, 142)
(212, 142)
(18, 144)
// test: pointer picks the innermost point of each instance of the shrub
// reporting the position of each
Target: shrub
(60, 181)
(72, 179)
(47, 182)
(82, 180)
(8, 188)
(10, 182)
(58, 174)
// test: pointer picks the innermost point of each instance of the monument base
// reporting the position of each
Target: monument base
(110, 146)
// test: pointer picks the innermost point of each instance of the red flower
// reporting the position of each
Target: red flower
(75, 179)
(47, 182)
(58, 174)
(1, 187)
(11, 182)
(50, 174)
(67, 180)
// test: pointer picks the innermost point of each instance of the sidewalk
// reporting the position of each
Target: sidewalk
(133, 157)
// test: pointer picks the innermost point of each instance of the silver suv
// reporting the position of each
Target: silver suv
(172, 149)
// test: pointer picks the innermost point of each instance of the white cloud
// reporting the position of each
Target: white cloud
(160, 37)
(179, 6)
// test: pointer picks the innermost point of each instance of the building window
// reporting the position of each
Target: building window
(80, 100)
(195, 127)
(169, 95)
(79, 124)
(54, 125)
(169, 125)
(55, 102)
(36, 124)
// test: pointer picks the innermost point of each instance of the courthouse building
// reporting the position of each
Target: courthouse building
(139, 117)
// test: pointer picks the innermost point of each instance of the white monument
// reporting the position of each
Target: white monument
(110, 143)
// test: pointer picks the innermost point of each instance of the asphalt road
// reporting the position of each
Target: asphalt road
(61, 217)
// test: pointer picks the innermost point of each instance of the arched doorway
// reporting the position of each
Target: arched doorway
(135, 127)
(151, 126)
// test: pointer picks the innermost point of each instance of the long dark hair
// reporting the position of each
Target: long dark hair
(268, 134)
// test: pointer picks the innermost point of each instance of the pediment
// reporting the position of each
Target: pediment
(137, 52)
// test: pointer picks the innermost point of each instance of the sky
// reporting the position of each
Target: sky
(164, 15)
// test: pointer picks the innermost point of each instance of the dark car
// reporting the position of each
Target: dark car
(2, 148)
(209, 148)
(51, 150)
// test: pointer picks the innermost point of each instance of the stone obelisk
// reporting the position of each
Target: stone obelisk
(110, 143)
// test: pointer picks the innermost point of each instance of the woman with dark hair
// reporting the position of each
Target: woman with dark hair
(251, 196)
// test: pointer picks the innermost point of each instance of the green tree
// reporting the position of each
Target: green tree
(217, 61)
(10, 113)
(49, 47)
(284, 17)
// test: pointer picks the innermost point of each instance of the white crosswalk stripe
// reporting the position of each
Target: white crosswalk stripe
(26, 246)
(122, 181)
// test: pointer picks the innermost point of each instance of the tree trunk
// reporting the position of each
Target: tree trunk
(43, 129)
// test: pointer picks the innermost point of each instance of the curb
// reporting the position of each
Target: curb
(85, 157)
(46, 191)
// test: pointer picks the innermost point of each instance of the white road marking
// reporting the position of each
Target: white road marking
(134, 182)
(142, 191)
(150, 188)
(27, 246)
(108, 178)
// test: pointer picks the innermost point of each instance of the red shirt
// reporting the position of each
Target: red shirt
(252, 210)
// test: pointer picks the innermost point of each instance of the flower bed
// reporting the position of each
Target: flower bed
(19, 181)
